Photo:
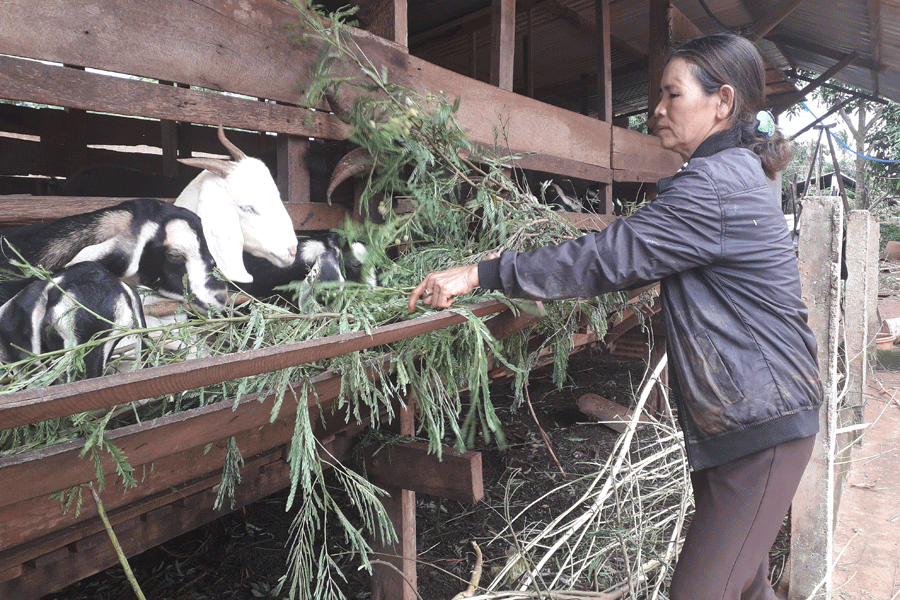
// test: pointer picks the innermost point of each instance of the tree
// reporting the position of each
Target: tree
(873, 125)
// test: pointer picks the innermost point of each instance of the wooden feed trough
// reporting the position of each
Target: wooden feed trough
(187, 49)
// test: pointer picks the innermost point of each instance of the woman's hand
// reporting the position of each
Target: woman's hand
(440, 288)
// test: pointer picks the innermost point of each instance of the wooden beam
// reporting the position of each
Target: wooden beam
(638, 157)
(181, 511)
(503, 43)
(843, 90)
(60, 86)
(819, 49)
(527, 123)
(772, 18)
(782, 102)
(32, 406)
(831, 72)
(22, 210)
(385, 18)
(410, 465)
(557, 9)
(681, 28)
(658, 49)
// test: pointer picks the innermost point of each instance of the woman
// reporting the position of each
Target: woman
(742, 359)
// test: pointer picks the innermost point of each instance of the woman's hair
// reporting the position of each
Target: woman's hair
(725, 58)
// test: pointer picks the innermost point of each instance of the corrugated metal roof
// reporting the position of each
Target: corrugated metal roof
(818, 33)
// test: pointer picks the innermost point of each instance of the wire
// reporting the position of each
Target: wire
(712, 16)
(848, 148)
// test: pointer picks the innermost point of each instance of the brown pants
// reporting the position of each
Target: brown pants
(740, 507)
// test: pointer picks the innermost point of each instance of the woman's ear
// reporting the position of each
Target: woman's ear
(726, 102)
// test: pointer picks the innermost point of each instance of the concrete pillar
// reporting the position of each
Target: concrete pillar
(812, 513)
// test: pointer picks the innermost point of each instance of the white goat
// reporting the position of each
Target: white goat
(79, 302)
(241, 210)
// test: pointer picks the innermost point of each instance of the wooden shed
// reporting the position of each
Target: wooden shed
(137, 85)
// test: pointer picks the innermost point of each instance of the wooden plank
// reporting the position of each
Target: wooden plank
(139, 534)
(199, 444)
(538, 161)
(400, 584)
(69, 530)
(221, 45)
(589, 221)
(21, 210)
(32, 406)
(114, 130)
(399, 581)
(639, 157)
(47, 470)
(36, 82)
(772, 18)
(522, 124)
(456, 475)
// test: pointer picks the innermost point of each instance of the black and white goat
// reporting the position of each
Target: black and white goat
(241, 212)
(78, 303)
(324, 257)
(143, 241)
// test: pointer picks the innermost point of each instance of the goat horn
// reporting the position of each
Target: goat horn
(235, 152)
(355, 161)
(220, 167)
(334, 103)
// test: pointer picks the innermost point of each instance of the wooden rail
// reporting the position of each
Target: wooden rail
(240, 51)
(37, 535)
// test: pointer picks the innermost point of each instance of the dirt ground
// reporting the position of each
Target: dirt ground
(867, 537)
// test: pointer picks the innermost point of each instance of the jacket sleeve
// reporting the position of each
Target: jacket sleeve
(680, 230)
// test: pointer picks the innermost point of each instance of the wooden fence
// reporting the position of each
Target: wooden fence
(56, 61)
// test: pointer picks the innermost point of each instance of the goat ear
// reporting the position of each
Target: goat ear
(225, 239)
(220, 167)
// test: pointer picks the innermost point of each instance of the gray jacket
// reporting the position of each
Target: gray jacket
(742, 359)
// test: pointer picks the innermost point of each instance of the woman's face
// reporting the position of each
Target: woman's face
(686, 115)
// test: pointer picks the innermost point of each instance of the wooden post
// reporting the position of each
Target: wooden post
(528, 54)
(398, 583)
(604, 62)
(293, 177)
(388, 20)
(658, 49)
(604, 87)
(812, 513)
(503, 43)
